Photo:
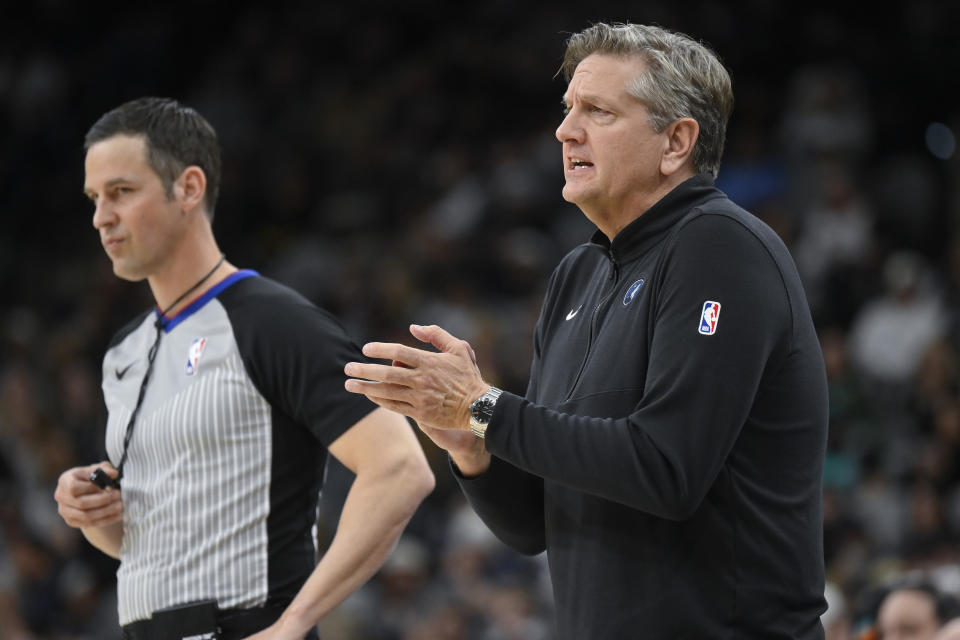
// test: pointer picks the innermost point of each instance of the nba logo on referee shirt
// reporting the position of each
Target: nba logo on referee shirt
(193, 356)
(709, 317)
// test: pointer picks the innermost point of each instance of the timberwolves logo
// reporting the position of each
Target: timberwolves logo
(632, 292)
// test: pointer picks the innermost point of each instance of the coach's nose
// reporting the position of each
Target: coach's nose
(571, 128)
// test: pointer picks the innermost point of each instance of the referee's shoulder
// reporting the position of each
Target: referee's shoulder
(263, 300)
(261, 291)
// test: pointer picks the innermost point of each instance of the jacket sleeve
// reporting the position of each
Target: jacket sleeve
(510, 500)
(699, 389)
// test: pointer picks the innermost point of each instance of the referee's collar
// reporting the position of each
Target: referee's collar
(169, 322)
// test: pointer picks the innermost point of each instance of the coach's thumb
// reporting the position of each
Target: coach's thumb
(434, 335)
(443, 341)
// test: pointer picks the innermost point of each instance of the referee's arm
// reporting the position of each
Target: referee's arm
(392, 478)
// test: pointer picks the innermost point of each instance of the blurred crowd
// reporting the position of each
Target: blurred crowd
(396, 165)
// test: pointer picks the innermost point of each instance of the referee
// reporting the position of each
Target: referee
(224, 401)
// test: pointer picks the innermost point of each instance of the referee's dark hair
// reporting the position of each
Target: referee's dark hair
(176, 137)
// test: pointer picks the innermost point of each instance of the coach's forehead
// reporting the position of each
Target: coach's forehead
(606, 76)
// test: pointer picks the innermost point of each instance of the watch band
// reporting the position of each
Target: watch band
(481, 410)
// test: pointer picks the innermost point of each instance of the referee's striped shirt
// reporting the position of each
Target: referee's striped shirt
(227, 455)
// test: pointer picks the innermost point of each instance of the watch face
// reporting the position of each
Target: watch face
(480, 408)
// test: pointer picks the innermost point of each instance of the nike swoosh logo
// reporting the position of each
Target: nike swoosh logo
(574, 312)
(122, 372)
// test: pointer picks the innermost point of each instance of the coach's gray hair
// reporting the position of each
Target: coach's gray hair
(683, 79)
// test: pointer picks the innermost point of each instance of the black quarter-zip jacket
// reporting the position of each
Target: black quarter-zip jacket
(668, 453)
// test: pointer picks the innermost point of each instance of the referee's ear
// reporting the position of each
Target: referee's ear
(190, 188)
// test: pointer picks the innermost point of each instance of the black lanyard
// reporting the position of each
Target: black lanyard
(100, 477)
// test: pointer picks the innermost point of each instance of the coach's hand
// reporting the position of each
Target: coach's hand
(83, 504)
(435, 389)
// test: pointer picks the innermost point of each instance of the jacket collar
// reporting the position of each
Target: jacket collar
(648, 228)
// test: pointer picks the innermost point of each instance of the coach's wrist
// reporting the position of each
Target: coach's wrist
(481, 411)
(472, 463)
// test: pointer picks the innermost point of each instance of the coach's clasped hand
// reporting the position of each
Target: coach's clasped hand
(435, 389)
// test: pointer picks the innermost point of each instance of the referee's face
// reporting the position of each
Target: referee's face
(139, 225)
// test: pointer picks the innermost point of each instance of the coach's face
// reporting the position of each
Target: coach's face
(613, 160)
(138, 223)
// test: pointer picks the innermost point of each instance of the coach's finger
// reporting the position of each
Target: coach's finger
(394, 351)
(379, 372)
(375, 389)
(375, 396)
(443, 340)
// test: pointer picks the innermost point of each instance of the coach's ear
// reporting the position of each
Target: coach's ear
(190, 188)
(681, 136)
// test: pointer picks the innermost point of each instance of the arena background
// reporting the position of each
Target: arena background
(395, 162)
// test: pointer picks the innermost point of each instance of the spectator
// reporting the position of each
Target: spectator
(914, 612)
(891, 332)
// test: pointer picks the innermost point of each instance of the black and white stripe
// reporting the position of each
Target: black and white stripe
(225, 463)
(196, 485)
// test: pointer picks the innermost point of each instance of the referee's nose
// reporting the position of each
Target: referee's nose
(103, 214)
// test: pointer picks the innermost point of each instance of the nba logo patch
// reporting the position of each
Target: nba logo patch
(709, 317)
(193, 356)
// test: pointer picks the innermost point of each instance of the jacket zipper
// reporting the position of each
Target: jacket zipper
(615, 276)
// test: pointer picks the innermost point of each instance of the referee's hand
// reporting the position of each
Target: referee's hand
(83, 504)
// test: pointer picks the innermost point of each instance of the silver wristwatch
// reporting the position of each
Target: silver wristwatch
(482, 410)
